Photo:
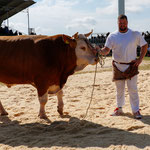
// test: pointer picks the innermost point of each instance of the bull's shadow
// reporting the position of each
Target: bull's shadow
(74, 133)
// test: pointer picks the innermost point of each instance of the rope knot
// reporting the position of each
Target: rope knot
(101, 59)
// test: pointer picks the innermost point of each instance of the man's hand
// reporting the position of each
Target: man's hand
(137, 62)
(102, 51)
(143, 53)
(96, 50)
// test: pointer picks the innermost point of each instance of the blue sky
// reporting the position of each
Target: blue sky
(50, 17)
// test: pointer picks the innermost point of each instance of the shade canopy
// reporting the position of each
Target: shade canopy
(9, 8)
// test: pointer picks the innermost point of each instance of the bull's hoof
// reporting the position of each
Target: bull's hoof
(60, 110)
(42, 116)
(49, 92)
(4, 113)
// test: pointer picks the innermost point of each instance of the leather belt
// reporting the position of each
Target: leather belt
(122, 62)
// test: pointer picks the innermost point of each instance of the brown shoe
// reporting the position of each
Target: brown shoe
(137, 115)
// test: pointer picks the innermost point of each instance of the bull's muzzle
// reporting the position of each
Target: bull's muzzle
(96, 59)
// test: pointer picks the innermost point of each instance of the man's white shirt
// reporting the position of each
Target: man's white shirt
(124, 46)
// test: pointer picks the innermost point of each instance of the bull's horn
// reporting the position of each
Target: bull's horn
(88, 34)
(75, 35)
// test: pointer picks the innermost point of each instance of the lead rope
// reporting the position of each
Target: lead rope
(101, 62)
(101, 59)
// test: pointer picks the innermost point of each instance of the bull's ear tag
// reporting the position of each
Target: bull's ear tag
(67, 42)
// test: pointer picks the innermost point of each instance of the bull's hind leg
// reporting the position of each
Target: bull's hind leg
(2, 110)
(60, 102)
(43, 100)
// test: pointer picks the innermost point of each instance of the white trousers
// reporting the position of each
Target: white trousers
(133, 93)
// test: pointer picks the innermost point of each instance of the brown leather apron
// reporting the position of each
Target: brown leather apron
(127, 74)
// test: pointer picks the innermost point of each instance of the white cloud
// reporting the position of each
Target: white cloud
(89, 1)
(61, 17)
(136, 5)
(130, 6)
(68, 16)
(22, 26)
(84, 24)
(19, 22)
(58, 3)
(109, 9)
(46, 15)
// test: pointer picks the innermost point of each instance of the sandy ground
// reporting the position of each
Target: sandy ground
(23, 130)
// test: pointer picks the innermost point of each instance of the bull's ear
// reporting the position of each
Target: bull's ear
(75, 36)
(88, 34)
(68, 40)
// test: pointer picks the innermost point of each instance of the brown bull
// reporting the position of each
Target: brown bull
(44, 62)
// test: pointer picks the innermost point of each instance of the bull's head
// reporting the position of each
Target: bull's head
(84, 50)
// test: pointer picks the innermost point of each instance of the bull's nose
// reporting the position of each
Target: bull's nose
(96, 59)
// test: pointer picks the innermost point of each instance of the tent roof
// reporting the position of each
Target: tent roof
(9, 8)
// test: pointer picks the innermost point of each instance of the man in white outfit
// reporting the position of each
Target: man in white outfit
(124, 44)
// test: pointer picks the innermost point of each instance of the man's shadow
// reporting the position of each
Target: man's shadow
(145, 118)
(74, 133)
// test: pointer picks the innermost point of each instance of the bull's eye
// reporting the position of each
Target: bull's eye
(83, 48)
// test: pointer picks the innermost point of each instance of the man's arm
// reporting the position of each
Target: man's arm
(143, 53)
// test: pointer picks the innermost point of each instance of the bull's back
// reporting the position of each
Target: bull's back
(24, 57)
(17, 58)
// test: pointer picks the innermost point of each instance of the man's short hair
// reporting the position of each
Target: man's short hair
(122, 17)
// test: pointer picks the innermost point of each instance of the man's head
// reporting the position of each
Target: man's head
(123, 23)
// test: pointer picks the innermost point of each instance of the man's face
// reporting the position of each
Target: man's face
(123, 25)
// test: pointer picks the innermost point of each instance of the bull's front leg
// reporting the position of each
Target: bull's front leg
(43, 100)
(2, 110)
(60, 102)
